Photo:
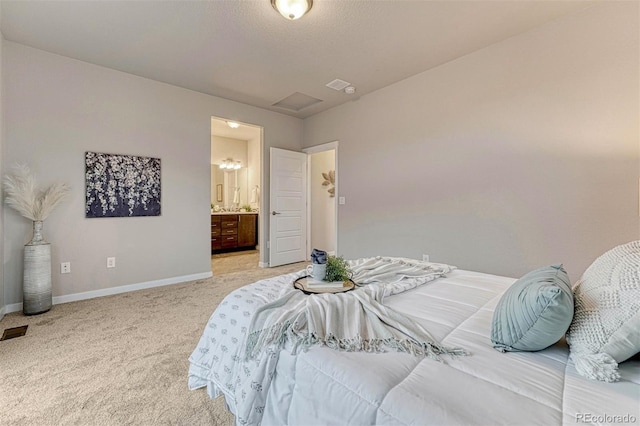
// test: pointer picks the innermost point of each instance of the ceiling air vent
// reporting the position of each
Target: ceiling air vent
(297, 102)
(338, 84)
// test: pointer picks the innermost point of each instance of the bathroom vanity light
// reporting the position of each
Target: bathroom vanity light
(292, 9)
(229, 164)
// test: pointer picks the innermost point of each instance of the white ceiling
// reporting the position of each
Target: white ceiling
(245, 51)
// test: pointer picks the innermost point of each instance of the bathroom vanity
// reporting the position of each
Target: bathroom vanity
(233, 231)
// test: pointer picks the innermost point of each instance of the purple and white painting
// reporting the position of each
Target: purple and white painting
(121, 185)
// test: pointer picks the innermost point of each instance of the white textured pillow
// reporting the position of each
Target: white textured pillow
(606, 324)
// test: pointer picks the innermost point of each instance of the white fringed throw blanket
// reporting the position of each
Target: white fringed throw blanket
(239, 351)
(351, 321)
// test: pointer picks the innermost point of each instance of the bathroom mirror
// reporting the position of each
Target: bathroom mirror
(229, 188)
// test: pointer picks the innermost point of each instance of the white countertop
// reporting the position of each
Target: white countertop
(221, 213)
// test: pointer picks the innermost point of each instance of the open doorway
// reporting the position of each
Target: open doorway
(236, 182)
(302, 200)
(323, 207)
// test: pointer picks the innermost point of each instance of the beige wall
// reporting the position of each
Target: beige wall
(223, 148)
(2, 298)
(57, 108)
(323, 206)
(522, 154)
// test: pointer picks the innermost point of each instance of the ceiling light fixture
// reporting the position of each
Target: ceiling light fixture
(233, 124)
(292, 9)
(229, 164)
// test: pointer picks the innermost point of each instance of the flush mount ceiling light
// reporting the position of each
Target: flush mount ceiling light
(292, 9)
(233, 124)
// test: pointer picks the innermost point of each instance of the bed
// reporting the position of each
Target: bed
(323, 386)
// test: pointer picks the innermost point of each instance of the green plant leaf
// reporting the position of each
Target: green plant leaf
(337, 269)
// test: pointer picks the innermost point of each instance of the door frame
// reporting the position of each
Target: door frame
(314, 150)
(263, 224)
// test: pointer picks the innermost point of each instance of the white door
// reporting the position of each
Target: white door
(288, 204)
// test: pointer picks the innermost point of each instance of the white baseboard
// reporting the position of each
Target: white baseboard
(263, 264)
(15, 307)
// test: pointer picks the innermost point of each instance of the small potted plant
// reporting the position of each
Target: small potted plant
(338, 269)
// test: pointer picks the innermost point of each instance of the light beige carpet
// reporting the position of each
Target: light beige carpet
(116, 360)
(235, 261)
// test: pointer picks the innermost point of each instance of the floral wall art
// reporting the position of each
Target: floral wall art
(121, 185)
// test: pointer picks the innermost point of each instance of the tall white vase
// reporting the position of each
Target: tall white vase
(37, 296)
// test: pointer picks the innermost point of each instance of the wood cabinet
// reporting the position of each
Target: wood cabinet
(247, 230)
(231, 232)
(216, 242)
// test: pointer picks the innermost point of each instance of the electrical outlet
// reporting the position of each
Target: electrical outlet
(65, 268)
(111, 262)
(425, 257)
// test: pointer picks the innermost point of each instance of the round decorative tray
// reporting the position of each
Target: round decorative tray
(301, 284)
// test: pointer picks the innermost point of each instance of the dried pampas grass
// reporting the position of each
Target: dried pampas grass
(22, 194)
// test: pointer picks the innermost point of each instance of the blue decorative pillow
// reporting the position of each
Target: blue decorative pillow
(535, 312)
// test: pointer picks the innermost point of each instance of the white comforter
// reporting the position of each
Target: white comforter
(323, 386)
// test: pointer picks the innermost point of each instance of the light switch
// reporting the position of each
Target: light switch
(341, 200)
